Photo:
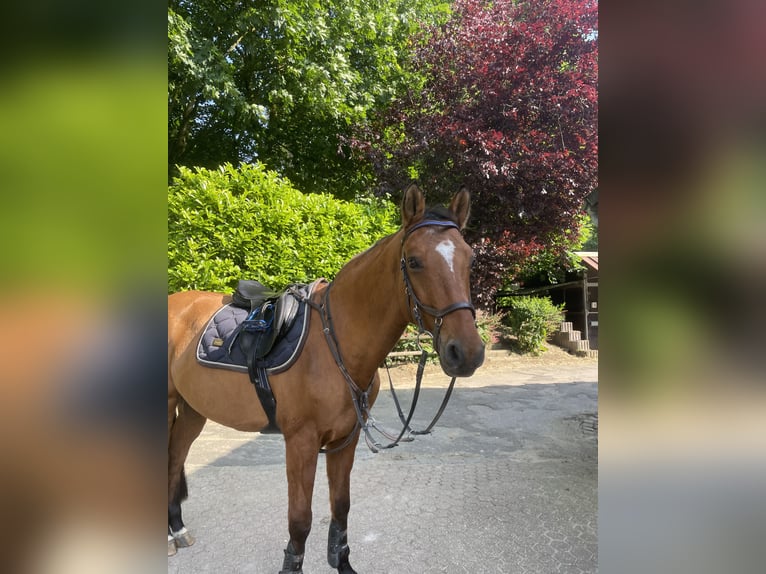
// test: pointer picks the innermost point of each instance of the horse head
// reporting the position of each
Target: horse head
(436, 268)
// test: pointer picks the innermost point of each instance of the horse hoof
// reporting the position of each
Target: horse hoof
(171, 546)
(183, 538)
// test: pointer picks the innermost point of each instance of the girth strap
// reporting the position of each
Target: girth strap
(266, 322)
(260, 380)
(262, 388)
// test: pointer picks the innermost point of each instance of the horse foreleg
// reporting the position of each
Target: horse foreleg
(302, 452)
(185, 428)
(339, 478)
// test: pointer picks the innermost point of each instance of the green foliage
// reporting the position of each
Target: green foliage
(247, 222)
(489, 326)
(531, 320)
(284, 81)
(550, 265)
(508, 109)
(590, 238)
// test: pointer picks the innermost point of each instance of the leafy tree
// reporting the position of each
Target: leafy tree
(555, 261)
(509, 109)
(282, 81)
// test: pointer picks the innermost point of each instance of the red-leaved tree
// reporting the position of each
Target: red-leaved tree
(508, 108)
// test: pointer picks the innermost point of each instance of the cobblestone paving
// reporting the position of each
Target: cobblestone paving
(507, 483)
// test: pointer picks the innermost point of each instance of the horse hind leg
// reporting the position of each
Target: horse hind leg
(178, 535)
(185, 428)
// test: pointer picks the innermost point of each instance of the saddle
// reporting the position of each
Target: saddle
(271, 316)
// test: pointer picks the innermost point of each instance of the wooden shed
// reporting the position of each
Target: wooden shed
(579, 293)
(581, 298)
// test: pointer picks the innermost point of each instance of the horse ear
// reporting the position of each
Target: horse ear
(461, 206)
(413, 205)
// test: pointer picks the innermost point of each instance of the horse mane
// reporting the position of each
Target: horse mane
(439, 213)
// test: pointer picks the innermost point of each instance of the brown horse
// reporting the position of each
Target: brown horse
(372, 299)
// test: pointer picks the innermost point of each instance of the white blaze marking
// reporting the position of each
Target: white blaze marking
(447, 250)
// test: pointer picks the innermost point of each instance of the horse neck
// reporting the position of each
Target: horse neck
(369, 308)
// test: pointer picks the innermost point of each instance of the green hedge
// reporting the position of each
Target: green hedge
(236, 223)
(531, 320)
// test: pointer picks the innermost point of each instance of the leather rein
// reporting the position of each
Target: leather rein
(359, 396)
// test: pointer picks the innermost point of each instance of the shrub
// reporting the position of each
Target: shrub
(247, 222)
(489, 326)
(531, 320)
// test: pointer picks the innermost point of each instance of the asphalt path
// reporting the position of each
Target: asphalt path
(506, 483)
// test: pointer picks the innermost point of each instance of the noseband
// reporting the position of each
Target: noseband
(414, 302)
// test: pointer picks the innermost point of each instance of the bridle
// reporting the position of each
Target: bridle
(359, 396)
(412, 299)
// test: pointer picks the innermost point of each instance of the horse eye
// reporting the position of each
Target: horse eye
(413, 263)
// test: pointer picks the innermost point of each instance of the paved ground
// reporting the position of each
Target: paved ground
(507, 483)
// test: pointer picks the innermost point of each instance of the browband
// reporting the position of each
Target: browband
(430, 222)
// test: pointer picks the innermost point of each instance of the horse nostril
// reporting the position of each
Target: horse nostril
(454, 353)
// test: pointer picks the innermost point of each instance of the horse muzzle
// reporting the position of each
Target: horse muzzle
(459, 359)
